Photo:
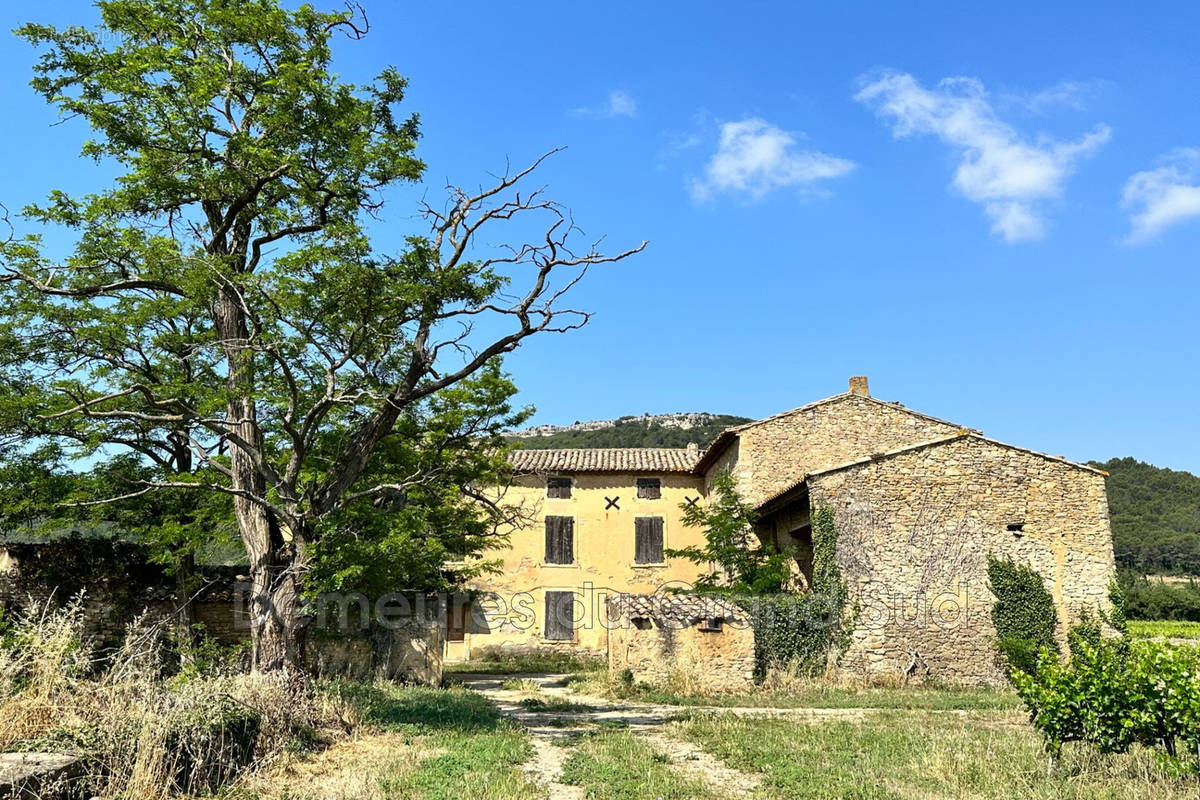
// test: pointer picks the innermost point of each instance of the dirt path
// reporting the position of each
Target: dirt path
(561, 715)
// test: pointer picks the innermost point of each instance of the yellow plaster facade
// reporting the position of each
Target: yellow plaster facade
(510, 609)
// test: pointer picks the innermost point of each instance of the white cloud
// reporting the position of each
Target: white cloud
(1071, 95)
(998, 168)
(1164, 196)
(620, 104)
(753, 157)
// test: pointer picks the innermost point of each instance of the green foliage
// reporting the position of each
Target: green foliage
(1168, 629)
(223, 323)
(1023, 614)
(1155, 516)
(404, 540)
(1115, 693)
(1154, 598)
(742, 564)
(800, 632)
(635, 432)
(1119, 617)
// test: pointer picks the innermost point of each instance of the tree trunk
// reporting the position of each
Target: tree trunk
(274, 562)
(185, 612)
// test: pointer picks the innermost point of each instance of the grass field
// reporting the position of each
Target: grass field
(1171, 629)
(817, 695)
(516, 664)
(922, 756)
(431, 744)
(931, 744)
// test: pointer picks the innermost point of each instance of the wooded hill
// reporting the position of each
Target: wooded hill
(666, 430)
(1155, 516)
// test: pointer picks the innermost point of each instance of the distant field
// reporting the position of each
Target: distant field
(1171, 629)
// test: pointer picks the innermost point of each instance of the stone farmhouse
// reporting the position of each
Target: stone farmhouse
(919, 505)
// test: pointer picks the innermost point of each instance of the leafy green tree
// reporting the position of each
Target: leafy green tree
(739, 561)
(224, 294)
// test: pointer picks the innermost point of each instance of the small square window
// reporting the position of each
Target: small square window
(558, 487)
(642, 623)
(711, 625)
(649, 488)
(1016, 528)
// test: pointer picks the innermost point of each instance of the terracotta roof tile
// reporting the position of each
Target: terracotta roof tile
(688, 608)
(615, 459)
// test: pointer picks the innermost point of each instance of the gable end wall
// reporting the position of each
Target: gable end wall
(914, 533)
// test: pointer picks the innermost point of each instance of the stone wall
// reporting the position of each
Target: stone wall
(699, 642)
(915, 529)
(110, 581)
(408, 649)
(779, 451)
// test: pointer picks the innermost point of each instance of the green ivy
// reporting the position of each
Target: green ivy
(1023, 615)
(802, 631)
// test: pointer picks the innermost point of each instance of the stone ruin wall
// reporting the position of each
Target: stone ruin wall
(659, 639)
(914, 533)
(410, 650)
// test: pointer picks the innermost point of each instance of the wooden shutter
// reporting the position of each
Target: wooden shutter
(560, 540)
(559, 608)
(558, 488)
(649, 488)
(648, 540)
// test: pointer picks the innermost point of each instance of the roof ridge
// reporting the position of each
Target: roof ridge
(963, 433)
(725, 435)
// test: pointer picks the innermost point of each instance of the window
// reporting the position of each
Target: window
(648, 540)
(642, 623)
(1016, 528)
(649, 488)
(560, 609)
(711, 625)
(558, 487)
(560, 540)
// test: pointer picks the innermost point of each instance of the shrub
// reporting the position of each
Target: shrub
(1023, 615)
(800, 633)
(1116, 693)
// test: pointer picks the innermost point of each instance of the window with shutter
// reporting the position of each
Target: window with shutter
(649, 488)
(648, 540)
(560, 607)
(558, 488)
(560, 540)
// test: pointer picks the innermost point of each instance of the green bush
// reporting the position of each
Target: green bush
(801, 632)
(1114, 694)
(1023, 615)
(1154, 599)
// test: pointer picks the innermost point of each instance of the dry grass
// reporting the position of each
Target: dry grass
(144, 732)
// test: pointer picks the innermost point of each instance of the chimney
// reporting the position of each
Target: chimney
(858, 385)
(693, 450)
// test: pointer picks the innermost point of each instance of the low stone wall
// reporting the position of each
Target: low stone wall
(660, 638)
(408, 649)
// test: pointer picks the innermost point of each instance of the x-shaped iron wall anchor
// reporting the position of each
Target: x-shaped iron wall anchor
(691, 501)
(612, 503)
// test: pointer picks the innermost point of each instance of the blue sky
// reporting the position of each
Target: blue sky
(995, 214)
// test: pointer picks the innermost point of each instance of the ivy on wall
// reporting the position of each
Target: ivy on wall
(1023, 615)
(802, 632)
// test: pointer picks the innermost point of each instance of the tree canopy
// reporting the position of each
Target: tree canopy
(224, 313)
